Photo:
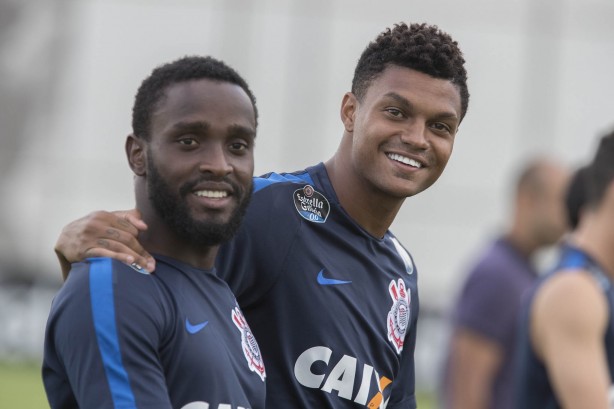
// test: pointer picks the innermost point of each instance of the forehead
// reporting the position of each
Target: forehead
(204, 100)
(416, 87)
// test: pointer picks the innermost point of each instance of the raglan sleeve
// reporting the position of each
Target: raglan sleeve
(101, 340)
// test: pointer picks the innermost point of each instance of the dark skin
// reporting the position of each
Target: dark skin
(396, 143)
(203, 133)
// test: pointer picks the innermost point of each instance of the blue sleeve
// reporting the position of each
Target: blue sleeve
(102, 339)
(252, 261)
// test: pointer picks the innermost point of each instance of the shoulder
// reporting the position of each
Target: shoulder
(500, 266)
(569, 302)
(271, 181)
(500, 256)
(570, 292)
(401, 251)
(280, 195)
(101, 278)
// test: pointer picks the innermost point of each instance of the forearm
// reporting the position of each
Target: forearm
(474, 364)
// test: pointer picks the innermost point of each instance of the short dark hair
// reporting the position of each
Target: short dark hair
(575, 196)
(420, 47)
(184, 69)
(601, 170)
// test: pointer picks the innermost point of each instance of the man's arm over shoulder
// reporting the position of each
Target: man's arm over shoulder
(101, 338)
(567, 325)
(103, 234)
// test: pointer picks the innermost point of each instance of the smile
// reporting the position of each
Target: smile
(212, 194)
(405, 160)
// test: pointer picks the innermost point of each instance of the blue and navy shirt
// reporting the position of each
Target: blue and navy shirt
(534, 390)
(173, 339)
(334, 308)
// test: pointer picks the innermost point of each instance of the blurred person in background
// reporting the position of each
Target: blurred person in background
(329, 291)
(478, 367)
(565, 355)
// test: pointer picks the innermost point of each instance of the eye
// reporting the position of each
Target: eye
(394, 112)
(187, 141)
(239, 146)
(442, 127)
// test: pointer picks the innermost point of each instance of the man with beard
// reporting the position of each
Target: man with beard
(119, 338)
(329, 291)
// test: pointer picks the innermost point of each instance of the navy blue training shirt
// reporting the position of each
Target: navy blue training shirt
(533, 387)
(333, 308)
(173, 339)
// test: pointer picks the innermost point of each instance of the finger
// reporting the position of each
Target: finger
(99, 230)
(114, 227)
(127, 259)
(133, 217)
(121, 252)
(120, 239)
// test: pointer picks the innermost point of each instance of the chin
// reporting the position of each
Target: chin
(407, 190)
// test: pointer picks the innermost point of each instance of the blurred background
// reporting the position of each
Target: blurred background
(540, 78)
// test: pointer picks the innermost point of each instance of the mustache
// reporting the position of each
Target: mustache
(235, 188)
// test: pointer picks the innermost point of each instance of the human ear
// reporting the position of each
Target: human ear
(137, 154)
(348, 110)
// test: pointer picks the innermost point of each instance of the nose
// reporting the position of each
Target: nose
(415, 134)
(215, 161)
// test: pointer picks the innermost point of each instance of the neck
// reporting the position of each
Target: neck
(370, 209)
(160, 239)
(522, 241)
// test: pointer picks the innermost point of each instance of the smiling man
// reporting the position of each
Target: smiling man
(119, 338)
(330, 292)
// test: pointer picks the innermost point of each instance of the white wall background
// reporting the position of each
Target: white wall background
(540, 77)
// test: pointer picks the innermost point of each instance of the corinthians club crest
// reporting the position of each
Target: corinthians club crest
(249, 344)
(399, 315)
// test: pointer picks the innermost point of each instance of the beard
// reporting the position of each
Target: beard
(174, 211)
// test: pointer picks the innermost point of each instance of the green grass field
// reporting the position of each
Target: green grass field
(21, 388)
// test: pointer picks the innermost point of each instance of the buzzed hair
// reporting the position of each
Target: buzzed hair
(184, 69)
(575, 196)
(420, 47)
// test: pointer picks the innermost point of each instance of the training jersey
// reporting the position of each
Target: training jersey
(534, 390)
(174, 339)
(334, 308)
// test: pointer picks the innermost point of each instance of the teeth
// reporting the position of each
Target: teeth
(214, 194)
(405, 160)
